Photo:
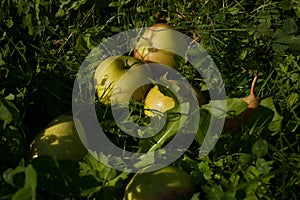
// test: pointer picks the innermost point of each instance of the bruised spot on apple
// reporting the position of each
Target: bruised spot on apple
(168, 183)
(110, 71)
(158, 44)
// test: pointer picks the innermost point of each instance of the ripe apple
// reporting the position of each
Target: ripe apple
(158, 44)
(168, 183)
(110, 71)
(157, 103)
(59, 139)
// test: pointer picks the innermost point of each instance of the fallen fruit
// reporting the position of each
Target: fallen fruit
(168, 183)
(157, 103)
(110, 71)
(234, 124)
(161, 44)
(59, 139)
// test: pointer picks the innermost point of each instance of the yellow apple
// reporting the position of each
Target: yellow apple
(157, 103)
(110, 71)
(59, 139)
(159, 44)
(168, 183)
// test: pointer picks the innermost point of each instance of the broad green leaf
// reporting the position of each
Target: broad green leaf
(289, 26)
(295, 46)
(92, 166)
(209, 114)
(260, 148)
(28, 191)
(234, 106)
(148, 159)
(265, 116)
(108, 178)
(275, 124)
(282, 41)
(280, 45)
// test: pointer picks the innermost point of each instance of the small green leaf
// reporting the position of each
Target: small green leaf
(205, 169)
(9, 23)
(263, 166)
(2, 62)
(246, 158)
(28, 23)
(251, 173)
(115, 29)
(115, 4)
(5, 115)
(260, 148)
(293, 99)
(196, 196)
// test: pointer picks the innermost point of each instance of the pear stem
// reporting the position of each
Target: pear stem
(252, 90)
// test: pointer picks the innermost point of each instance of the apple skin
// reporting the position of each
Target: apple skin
(156, 102)
(168, 183)
(59, 139)
(109, 72)
(158, 43)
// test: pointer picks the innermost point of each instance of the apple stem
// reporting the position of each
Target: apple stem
(128, 66)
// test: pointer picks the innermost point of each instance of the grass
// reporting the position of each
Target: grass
(44, 43)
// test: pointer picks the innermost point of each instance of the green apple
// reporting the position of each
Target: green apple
(158, 44)
(156, 102)
(168, 183)
(59, 139)
(110, 71)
